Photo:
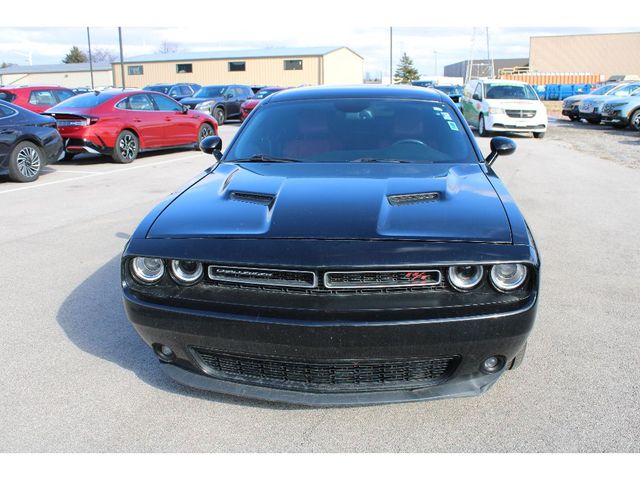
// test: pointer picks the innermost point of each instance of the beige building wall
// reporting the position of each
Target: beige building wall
(342, 67)
(604, 54)
(101, 79)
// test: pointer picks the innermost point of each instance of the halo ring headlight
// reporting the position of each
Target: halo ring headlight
(465, 277)
(508, 276)
(186, 272)
(147, 270)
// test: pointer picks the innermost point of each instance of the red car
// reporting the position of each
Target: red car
(249, 105)
(122, 123)
(35, 98)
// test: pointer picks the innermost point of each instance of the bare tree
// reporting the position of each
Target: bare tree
(167, 47)
(102, 55)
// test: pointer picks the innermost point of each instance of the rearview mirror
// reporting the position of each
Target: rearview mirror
(212, 146)
(500, 146)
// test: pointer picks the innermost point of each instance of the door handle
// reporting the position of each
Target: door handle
(137, 120)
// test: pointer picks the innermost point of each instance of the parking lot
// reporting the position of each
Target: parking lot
(78, 378)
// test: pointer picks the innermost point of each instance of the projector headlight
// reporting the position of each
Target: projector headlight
(508, 276)
(465, 277)
(186, 272)
(147, 270)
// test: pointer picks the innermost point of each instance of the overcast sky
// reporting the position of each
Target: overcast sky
(453, 44)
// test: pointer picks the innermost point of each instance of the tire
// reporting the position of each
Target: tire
(573, 118)
(126, 148)
(26, 162)
(219, 115)
(593, 121)
(205, 130)
(538, 134)
(482, 131)
(634, 120)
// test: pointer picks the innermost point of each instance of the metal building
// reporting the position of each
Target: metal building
(69, 75)
(461, 69)
(605, 54)
(285, 67)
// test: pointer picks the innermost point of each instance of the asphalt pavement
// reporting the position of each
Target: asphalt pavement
(77, 378)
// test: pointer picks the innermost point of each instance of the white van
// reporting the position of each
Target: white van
(503, 106)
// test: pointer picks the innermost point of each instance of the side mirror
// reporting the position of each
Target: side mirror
(185, 109)
(476, 97)
(212, 146)
(500, 146)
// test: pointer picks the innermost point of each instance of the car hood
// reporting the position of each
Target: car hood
(516, 104)
(196, 101)
(339, 201)
(632, 100)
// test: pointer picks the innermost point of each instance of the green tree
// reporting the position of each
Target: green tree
(406, 72)
(75, 55)
(6, 64)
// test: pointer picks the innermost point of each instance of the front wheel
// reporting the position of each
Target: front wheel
(26, 162)
(481, 128)
(218, 114)
(538, 134)
(126, 148)
(573, 118)
(634, 121)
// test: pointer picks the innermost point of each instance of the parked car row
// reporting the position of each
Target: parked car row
(615, 104)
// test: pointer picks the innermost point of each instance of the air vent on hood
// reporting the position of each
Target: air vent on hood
(259, 198)
(407, 198)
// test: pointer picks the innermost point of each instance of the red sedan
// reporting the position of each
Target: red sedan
(249, 105)
(35, 98)
(122, 123)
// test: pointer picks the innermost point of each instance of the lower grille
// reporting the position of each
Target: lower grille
(521, 113)
(339, 375)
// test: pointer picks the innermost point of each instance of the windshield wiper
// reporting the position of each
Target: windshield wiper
(264, 158)
(378, 160)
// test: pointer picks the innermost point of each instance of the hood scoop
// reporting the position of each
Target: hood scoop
(410, 198)
(251, 197)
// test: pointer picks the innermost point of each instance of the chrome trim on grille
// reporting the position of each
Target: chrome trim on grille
(332, 285)
(262, 274)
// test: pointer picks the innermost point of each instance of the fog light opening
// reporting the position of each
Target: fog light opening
(492, 364)
(164, 353)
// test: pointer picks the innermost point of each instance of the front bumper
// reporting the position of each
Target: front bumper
(274, 342)
(505, 123)
(571, 111)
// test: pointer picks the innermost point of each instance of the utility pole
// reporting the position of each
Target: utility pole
(90, 58)
(390, 55)
(121, 57)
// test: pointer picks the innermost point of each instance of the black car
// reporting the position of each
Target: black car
(177, 91)
(222, 102)
(351, 246)
(454, 92)
(28, 142)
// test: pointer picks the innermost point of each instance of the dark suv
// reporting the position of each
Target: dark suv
(221, 101)
(177, 91)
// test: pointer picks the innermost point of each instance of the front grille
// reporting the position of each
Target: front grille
(338, 375)
(382, 279)
(521, 113)
(262, 276)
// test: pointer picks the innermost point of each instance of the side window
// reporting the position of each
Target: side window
(184, 68)
(185, 90)
(42, 97)
(293, 64)
(137, 102)
(237, 66)
(478, 91)
(231, 92)
(240, 93)
(63, 94)
(6, 112)
(135, 69)
(166, 104)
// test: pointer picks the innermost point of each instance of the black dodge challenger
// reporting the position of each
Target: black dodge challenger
(351, 246)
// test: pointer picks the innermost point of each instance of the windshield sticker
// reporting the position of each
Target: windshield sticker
(453, 126)
(446, 116)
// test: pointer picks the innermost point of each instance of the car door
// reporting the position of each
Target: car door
(179, 127)
(8, 132)
(140, 111)
(231, 105)
(474, 106)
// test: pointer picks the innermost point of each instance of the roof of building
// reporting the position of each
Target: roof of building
(230, 54)
(497, 61)
(56, 68)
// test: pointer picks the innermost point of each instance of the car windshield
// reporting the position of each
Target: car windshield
(354, 130)
(209, 92)
(509, 92)
(158, 88)
(602, 90)
(85, 100)
(264, 93)
(450, 89)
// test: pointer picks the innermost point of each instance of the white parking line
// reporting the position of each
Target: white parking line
(97, 174)
(57, 170)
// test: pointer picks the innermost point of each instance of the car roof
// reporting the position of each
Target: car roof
(28, 87)
(357, 91)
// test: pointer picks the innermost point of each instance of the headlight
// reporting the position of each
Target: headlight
(186, 272)
(204, 106)
(614, 105)
(465, 277)
(496, 111)
(508, 276)
(147, 270)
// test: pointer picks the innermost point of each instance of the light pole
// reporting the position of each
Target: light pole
(121, 57)
(390, 55)
(90, 58)
(435, 61)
